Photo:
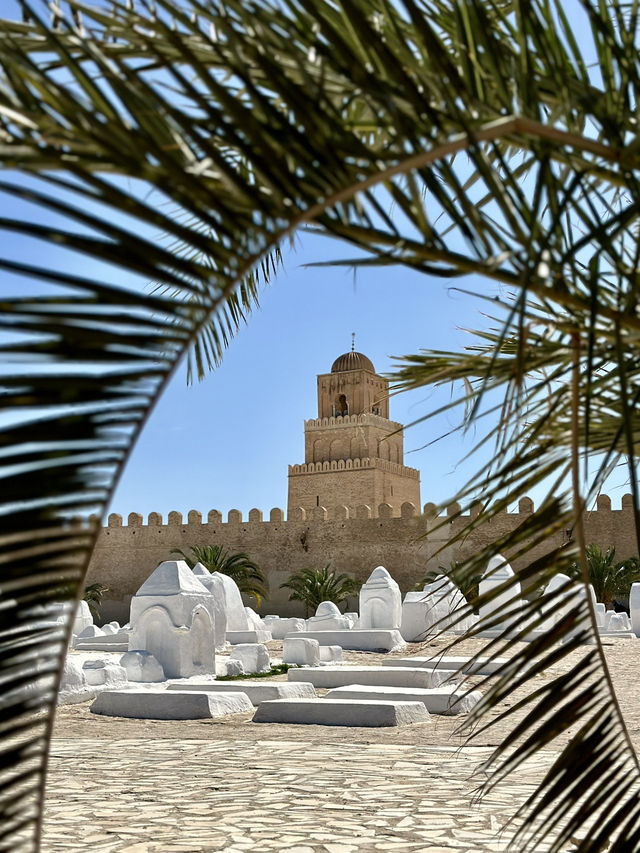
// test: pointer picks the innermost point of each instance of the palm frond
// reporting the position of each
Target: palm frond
(226, 127)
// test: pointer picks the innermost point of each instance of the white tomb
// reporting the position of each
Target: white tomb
(172, 617)
(508, 602)
(330, 654)
(302, 651)
(215, 586)
(325, 676)
(279, 627)
(159, 704)
(358, 640)
(437, 700)
(257, 692)
(100, 672)
(328, 618)
(380, 602)
(440, 606)
(341, 712)
(142, 666)
(253, 656)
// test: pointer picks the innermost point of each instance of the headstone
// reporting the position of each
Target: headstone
(213, 583)
(328, 618)
(142, 666)
(172, 617)
(301, 651)
(440, 606)
(380, 602)
(508, 602)
(234, 608)
(254, 657)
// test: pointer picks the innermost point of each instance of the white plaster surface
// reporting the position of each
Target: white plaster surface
(256, 691)
(142, 666)
(482, 666)
(507, 603)
(301, 650)
(90, 631)
(215, 586)
(182, 650)
(174, 587)
(74, 686)
(330, 654)
(341, 712)
(279, 627)
(253, 656)
(401, 676)
(160, 704)
(380, 602)
(83, 618)
(447, 701)
(328, 618)
(248, 636)
(359, 640)
(233, 606)
(100, 672)
(440, 606)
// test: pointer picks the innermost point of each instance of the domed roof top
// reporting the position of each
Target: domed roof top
(352, 361)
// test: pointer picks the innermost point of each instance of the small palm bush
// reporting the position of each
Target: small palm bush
(247, 574)
(312, 586)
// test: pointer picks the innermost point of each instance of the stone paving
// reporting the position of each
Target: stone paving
(302, 796)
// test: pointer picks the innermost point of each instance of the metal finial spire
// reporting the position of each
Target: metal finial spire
(353, 341)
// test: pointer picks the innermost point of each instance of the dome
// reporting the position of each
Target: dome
(352, 361)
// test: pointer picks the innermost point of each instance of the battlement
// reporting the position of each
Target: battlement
(350, 420)
(382, 511)
(353, 464)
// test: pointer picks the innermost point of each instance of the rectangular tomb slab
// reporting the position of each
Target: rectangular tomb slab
(482, 666)
(400, 676)
(169, 704)
(341, 712)
(256, 692)
(356, 639)
(438, 700)
(235, 638)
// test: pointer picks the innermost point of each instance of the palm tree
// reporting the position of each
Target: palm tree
(247, 574)
(229, 126)
(608, 579)
(93, 593)
(313, 586)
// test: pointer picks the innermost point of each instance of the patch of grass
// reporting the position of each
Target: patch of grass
(280, 669)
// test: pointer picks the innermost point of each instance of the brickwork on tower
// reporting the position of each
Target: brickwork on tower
(353, 453)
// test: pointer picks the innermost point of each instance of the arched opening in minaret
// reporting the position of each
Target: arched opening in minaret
(341, 406)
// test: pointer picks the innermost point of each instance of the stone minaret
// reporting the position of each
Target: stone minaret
(353, 453)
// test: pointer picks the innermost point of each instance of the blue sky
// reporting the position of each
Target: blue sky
(226, 442)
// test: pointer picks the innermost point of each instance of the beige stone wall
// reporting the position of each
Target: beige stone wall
(352, 437)
(126, 554)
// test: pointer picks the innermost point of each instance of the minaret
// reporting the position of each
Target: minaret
(353, 453)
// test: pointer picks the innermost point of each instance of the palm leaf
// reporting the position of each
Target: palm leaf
(227, 127)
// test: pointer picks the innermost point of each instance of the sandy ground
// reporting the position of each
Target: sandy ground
(623, 658)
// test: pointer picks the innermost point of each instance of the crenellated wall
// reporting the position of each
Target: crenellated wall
(353, 541)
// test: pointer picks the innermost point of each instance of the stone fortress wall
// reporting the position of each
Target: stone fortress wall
(353, 541)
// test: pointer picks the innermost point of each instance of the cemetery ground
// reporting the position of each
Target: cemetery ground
(228, 784)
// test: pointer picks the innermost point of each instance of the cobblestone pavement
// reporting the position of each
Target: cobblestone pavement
(302, 796)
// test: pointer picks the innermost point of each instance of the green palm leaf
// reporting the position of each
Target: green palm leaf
(226, 127)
